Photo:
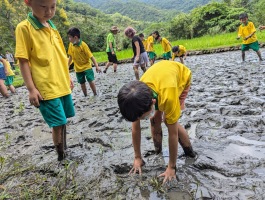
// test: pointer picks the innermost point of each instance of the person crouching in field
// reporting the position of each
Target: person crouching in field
(9, 76)
(140, 56)
(163, 88)
(247, 31)
(80, 54)
(3, 72)
(44, 67)
(165, 45)
(179, 51)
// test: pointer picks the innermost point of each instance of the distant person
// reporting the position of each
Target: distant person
(163, 88)
(139, 54)
(80, 54)
(150, 49)
(144, 41)
(165, 45)
(44, 66)
(111, 49)
(3, 72)
(10, 59)
(247, 31)
(179, 51)
(261, 27)
(9, 77)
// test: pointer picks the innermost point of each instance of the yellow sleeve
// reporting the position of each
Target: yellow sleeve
(253, 29)
(70, 52)
(88, 52)
(23, 42)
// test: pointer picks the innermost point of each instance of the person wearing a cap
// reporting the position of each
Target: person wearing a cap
(165, 45)
(247, 31)
(179, 51)
(44, 67)
(111, 49)
(139, 54)
(3, 72)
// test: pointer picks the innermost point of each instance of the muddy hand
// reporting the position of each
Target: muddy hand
(169, 174)
(137, 166)
(35, 98)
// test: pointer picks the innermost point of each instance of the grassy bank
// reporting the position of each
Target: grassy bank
(205, 42)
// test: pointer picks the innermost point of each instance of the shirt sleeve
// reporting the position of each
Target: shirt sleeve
(88, 52)
(70, 50)
(23, 42)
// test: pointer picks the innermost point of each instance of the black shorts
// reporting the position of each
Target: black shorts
(112, 58)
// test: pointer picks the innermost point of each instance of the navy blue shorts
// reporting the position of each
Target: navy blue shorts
(2, 73)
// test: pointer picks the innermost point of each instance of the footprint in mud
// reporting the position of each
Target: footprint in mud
(123, 168)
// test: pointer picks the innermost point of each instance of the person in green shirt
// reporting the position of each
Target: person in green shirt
(111, 49)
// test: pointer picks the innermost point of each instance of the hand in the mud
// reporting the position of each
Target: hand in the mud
(169, 175)
(137, 166)
(98, 70)
(35, 97)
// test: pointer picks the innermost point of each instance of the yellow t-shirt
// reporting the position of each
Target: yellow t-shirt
(150, 43)
(144, 41)
(168, 79)
(182, 51)
(43, 48)
(245, 31)
(9, 70)
(165, 45)
(81, 56)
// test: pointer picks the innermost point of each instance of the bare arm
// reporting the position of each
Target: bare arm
(136, 140)
(96, 64)
(250, 35)
(34, 94)
(137, 57)
(169, 174)
(69, 61)
(111, 48)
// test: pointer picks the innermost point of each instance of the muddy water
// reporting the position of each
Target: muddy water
(224, 116)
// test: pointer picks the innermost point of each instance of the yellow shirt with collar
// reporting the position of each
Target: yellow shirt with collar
(9, 70)
(144, 41)
(81, 56)
(182, 51)
(246, 30)
(165, 45)
(168, 79)
(44, 49)
(150, 42)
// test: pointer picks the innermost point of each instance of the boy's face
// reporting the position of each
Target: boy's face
(244, 20)
(43, 10)
(73, 40)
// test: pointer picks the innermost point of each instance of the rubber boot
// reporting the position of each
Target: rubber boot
(188, 150)
(64, 137)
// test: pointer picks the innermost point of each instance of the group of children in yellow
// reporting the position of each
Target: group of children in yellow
(159, 95)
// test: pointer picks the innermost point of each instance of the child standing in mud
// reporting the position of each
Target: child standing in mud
(163, 87)
(166, 45)
(80, 54)
(247, 31)
(179, 51)
(9, 76)
(44, 66)
(3, 72)
(139, 54)
(150, 49)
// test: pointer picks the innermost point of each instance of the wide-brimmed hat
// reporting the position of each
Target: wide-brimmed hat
(114, 28)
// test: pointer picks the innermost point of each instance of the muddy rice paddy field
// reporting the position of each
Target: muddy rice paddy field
(224, 116)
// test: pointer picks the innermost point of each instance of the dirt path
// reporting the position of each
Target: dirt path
(225, 117)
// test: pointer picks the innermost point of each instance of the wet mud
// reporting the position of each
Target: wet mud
(224, 116)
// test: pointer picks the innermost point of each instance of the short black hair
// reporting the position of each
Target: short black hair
(74, 32)
(141, 35)
(134, 99)
(157, 33)
(175, 49)
(243, 15)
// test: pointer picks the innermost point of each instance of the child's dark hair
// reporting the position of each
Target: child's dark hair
(74, 32)
(141, 35)
(134, 99)
(157, 35)
(175, 49)
(243, 15)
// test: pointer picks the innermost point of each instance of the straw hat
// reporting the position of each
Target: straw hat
(114, 28)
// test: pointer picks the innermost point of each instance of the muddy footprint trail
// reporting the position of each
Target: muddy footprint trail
(224, 116)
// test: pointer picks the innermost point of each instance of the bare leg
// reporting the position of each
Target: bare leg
(58, 140)
(83, 87)
(184, 141)
(143, 67)
(136, 72)
(115, 65)
(12, 88)
(3, 89)
(93, 87)
(107, 66)
(243, 56)
(181, 60)
(156, 130)
(259, 55)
